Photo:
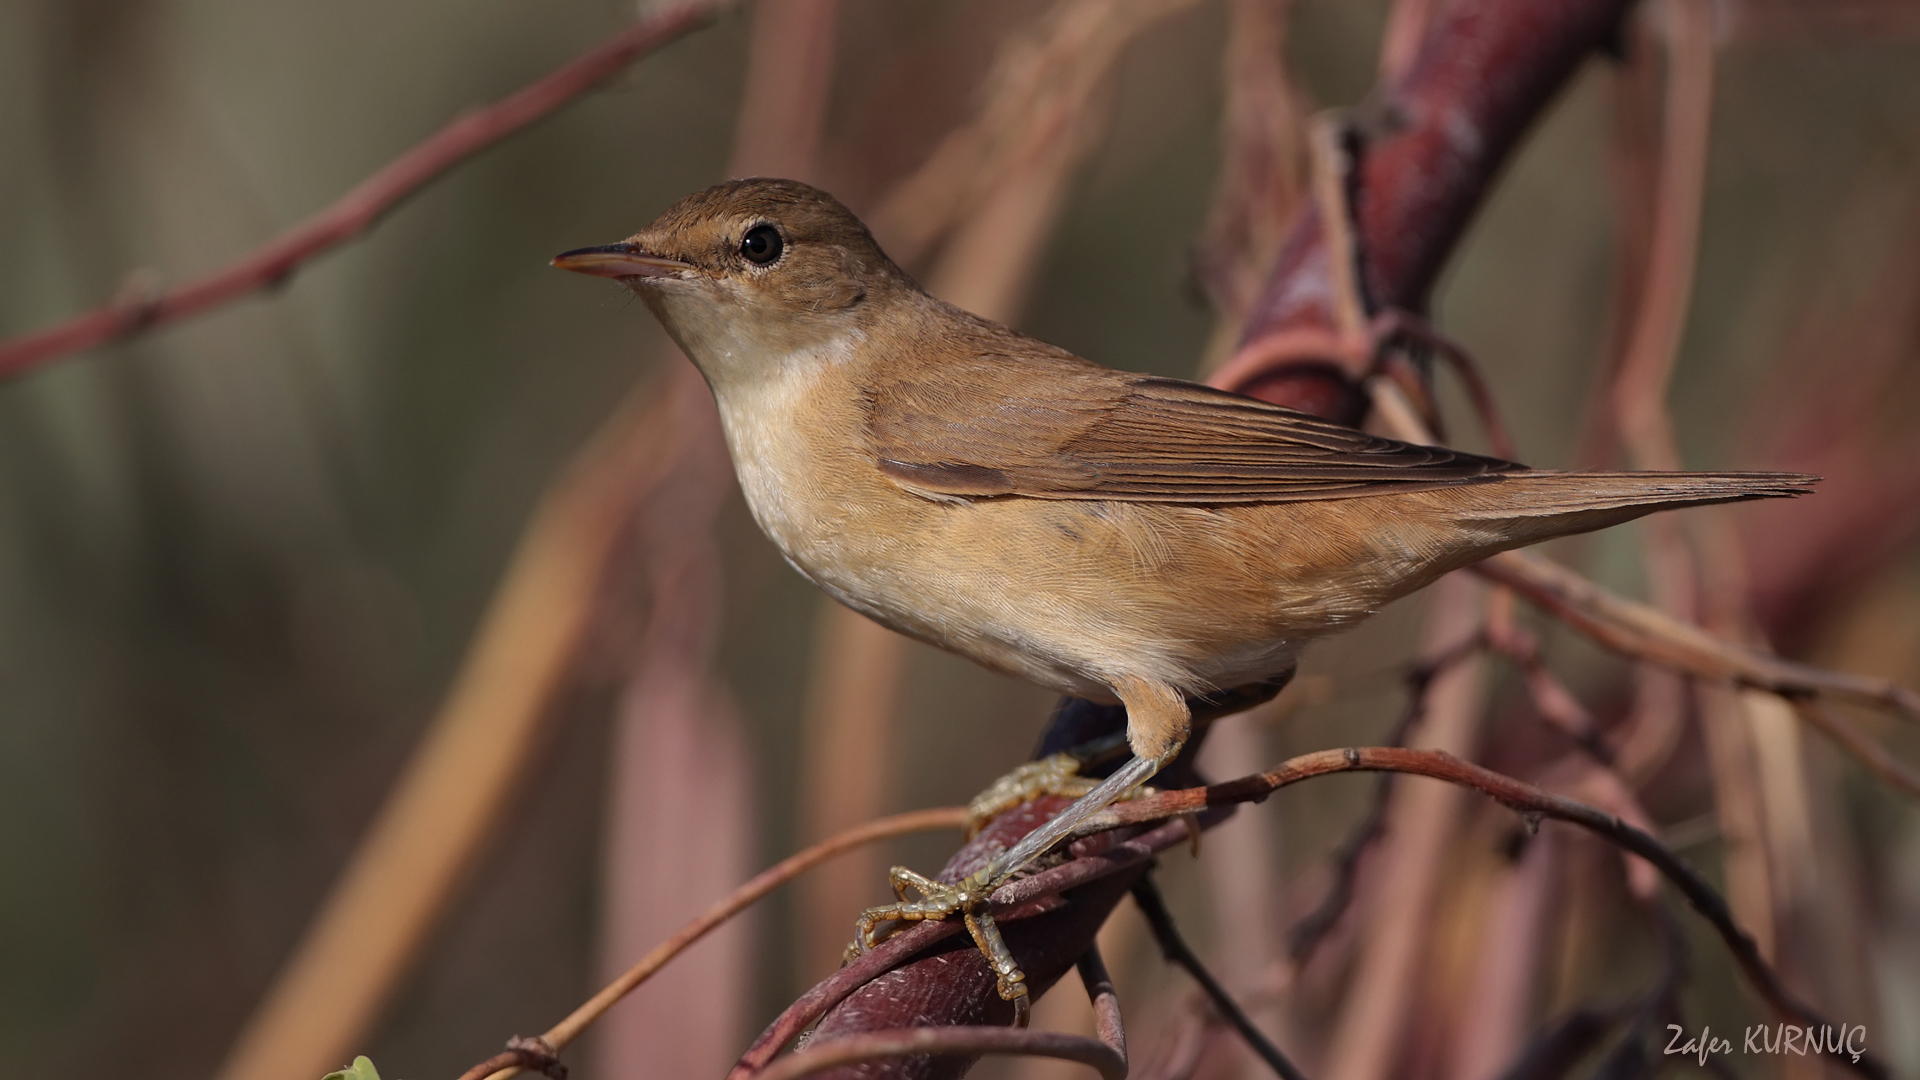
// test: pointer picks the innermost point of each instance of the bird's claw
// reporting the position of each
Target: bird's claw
(939, 900)
(1056, 774)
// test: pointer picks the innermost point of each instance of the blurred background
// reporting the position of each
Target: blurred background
(242, 558)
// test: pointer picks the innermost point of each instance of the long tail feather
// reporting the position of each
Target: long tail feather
(1540, 504)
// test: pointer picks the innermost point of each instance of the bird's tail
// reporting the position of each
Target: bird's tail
(1539, 505)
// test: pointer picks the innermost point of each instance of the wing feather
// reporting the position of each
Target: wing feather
(1053, 426)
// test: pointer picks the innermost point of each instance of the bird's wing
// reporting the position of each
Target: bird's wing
(1056, 427)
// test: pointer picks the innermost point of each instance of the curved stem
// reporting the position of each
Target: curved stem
(1530, 802)
(569, 1029)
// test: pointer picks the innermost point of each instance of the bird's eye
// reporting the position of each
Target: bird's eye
(762, 244)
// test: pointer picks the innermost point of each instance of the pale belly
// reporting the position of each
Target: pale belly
(1058, 593)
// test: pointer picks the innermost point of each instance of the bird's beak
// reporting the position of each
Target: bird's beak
(618, 261)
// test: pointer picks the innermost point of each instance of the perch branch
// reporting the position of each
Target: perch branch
(353, 213)
(1107, 1055)
(1100, 859)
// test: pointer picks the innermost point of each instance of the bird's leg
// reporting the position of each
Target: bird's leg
(1113, 789)
(1157, 727)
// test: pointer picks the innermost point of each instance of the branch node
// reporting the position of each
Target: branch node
(538, 1055)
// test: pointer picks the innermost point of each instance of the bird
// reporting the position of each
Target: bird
(1119, 537)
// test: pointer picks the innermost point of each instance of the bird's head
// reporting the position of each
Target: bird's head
(751, 270)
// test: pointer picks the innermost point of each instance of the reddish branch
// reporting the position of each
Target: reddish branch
(1037, 915)
(353, 213)
(1108, 1055)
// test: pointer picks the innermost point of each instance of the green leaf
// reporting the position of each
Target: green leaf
(361, 1069)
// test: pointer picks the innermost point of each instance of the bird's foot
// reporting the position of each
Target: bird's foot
(966, 898)
(1055, 774)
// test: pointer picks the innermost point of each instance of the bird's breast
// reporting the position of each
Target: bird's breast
(800, 450)
(773, 435)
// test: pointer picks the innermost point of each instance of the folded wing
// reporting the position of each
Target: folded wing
(1057, 427)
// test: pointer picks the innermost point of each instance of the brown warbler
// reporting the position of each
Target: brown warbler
(1113, 536)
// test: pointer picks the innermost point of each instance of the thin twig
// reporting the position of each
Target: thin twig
(1531, 802)
(521, 1053)
(1107, 1024)
(353, 213)
(945, 817)
(1177, 951)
